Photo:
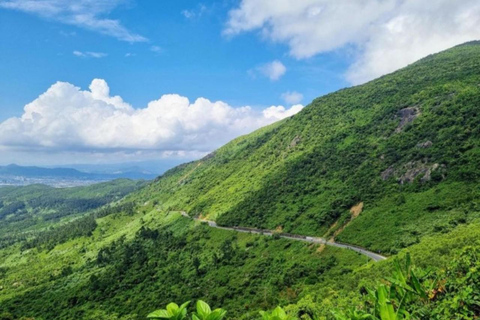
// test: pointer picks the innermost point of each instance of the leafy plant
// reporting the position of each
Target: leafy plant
(276, 314)
(204, 312)
(391, 301)
(172, 312)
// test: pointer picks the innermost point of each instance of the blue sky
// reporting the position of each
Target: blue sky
(252, 62)
(195, 59)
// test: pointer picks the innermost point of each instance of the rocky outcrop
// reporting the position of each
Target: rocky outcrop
(411, 170)
(424, 145)
(387, 173)
(406, 115)
(295, 141)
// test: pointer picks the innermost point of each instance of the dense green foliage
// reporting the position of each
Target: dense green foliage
(399, 144)
(448, 294)
(392, 165)
(193, 262)
(26, 212)
(48, 239)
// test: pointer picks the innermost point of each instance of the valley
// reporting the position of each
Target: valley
(14, 175)
(368, 192)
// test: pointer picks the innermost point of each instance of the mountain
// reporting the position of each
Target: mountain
(402, 152)
(33, 207)
(16, 170)
(392, 166)
(157, 166)
(20, 175)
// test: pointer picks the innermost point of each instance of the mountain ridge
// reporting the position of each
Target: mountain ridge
(392, 166)
(391, 137)
(35, 172)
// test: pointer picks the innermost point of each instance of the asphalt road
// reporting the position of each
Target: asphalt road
(374, 256)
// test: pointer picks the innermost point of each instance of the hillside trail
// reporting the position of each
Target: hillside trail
(372, 255)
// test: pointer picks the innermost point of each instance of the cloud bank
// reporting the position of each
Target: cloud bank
(386, 34)
(86, 14)
(66, 118)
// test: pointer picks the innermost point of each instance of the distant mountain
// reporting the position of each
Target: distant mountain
(16, 170)
(156, 167)
(15, 174)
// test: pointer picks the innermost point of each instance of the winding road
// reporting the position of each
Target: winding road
(374, 256)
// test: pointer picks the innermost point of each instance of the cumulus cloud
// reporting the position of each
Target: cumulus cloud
(387, 34)
(68, 118)
(273, 70)
(292, 97)
(275, 113)
(85, 14)
(89, 54)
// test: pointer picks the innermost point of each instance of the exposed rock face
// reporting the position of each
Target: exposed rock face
(425, 145)
(295, 141)
(410, 171)
(406, 116)
(414, 169)
(386, 174)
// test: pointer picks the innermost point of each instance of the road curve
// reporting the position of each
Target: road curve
(374, 256)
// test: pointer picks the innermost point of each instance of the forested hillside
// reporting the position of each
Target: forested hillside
(404, 148)
(392, 166)
(31, 210)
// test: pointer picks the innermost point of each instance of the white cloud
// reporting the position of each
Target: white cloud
(66, 118)
(387, 34)
(292, 97)
(279, 112)
(156, 49)
(87, 14)
(89, 54)
(194, 13)
(188, 14)
(273, 70)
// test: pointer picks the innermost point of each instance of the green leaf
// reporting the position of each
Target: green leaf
(159, 314)
(172, 308)
(418, 287)
(278, 312)
(385, 306)
(217, 314)
(184, 305)
(203, 309)
(264, 315)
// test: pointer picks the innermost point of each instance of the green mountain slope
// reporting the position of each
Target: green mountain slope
(405, 145)
(392, 165)
(26, 211)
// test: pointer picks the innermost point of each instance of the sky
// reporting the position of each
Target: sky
(112, 81)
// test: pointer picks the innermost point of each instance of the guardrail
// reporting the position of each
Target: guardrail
(373, 255)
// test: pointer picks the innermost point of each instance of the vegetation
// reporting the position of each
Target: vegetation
(32, 212)
(174, 312)
(392, 165)
(449, 294)
(404, 145)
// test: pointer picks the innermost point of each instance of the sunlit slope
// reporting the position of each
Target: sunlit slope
(392, 144)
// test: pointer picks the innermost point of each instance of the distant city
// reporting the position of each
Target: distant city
(14, 175)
